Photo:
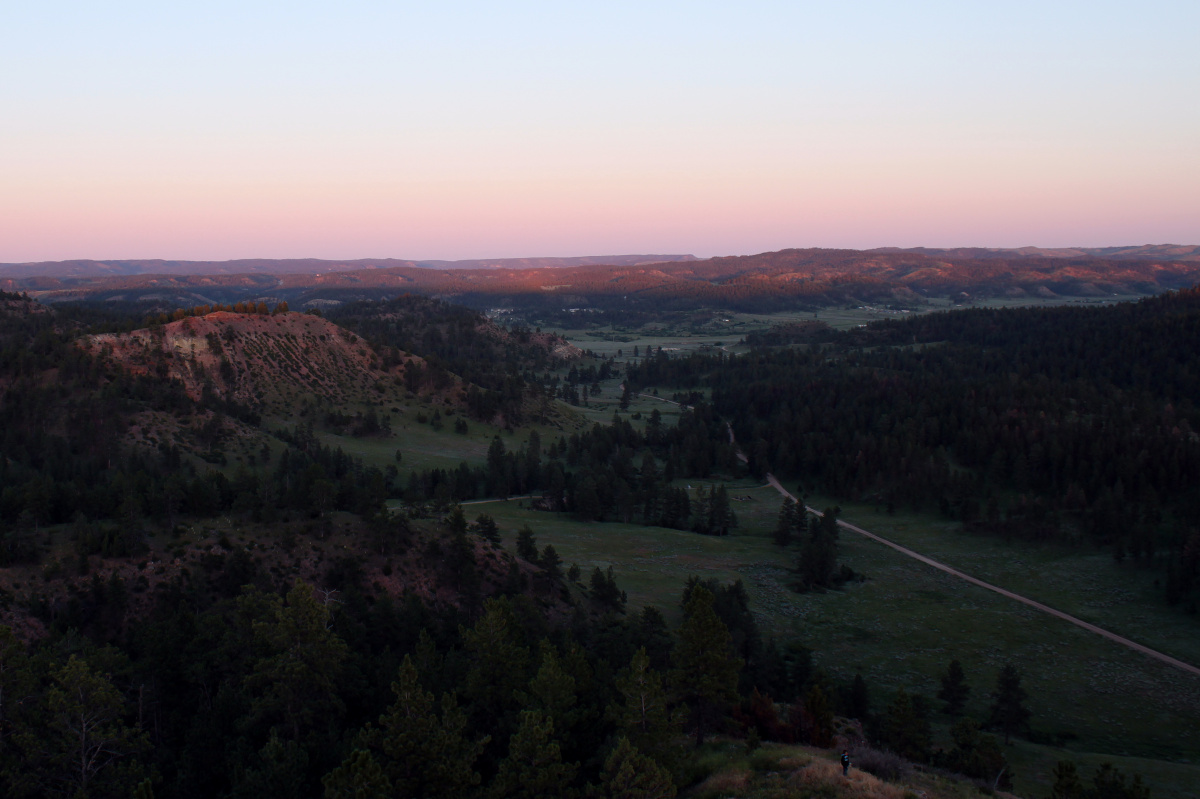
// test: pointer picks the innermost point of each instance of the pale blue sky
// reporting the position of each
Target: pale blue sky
(477, 129)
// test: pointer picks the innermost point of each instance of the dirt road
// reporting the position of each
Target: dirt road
(1179, 664)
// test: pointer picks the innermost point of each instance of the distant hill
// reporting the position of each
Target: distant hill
(310, 266)
(1156, 252)
(786, 279)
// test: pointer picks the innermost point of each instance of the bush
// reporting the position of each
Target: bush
(884, 765)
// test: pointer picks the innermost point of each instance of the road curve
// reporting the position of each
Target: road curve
(1134, 645)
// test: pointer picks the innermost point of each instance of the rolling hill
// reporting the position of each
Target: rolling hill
(787, 279)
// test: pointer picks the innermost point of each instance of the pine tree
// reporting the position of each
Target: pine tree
(818, 557)
(358, 777)
(527, 544)
(551, 562)
(457, 521)
(706, 671)
(1109, 783)
(976, 755)
(644, 715)
(76, 749)
(1009, 713)
(818, 716)
(1066, 782)
(628, 774)
(859, 704)
(423, 754)
(905, 732)
(954, 689)
(786, 525)
(296, 679)
(552, 691)
(486, 527)
(498, 662)
(534, 767)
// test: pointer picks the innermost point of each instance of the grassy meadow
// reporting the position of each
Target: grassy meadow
(901, 625)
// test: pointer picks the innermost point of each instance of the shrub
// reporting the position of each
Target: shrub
(885, 765)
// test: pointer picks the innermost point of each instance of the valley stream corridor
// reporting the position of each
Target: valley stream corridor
(1179, 664)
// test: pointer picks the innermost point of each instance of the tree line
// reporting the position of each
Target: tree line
(1068, 424)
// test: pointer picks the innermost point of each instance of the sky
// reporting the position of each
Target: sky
(221, 130)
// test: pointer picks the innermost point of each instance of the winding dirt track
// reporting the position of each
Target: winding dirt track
(1145, 650)
(1003, 592)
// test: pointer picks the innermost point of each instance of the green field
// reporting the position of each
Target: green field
(724, 329)
(903, 624)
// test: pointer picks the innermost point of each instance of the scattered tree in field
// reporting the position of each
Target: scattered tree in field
(551, 562)
(527, 544)
(1067, 784)
(977, 755)
(954, 689)
(818, 556)
(858, 704)
(785, 528)
(817, 720)
(1009, 713)
(605, 590)
(486, 527)
(905, 731)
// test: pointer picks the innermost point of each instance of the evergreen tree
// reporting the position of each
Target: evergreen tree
(421, 754)
(551, 562)
(954, 689)
(534, 767)
(296, 678)
(628, 774)
(1109, 783)
(498, 663)
(16, 683)
(858, 705)
(818, 557)
(359, 777)
(976, 755)
(706, 671)
(553, 692)
(457, 521)
(1066, 782)
(905, 731)
(644, 717)
(785, 527)
(818, 718)
(1008, 712)
(78, 741)
(527, 544)
(486, 527)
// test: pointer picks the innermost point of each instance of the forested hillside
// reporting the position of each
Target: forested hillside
(499, 363)
(1069, 424)
(204, 597)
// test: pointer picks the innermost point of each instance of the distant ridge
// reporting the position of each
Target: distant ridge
(785, 279)
(304, 266)
(1153, 252)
